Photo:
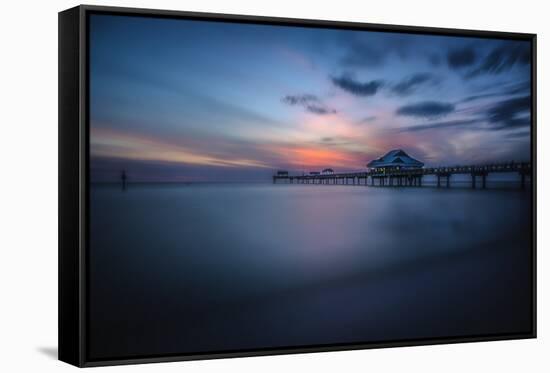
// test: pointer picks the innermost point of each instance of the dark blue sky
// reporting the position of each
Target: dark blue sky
(179, 100)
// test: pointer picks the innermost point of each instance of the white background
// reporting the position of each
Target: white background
(28, 194)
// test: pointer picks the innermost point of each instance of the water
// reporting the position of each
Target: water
(196, 268)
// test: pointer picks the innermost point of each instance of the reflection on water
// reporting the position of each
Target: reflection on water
(177, 268)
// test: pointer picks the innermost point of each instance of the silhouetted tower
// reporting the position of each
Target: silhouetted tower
(123, 178)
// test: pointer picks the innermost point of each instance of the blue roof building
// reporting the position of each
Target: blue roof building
(395, 159)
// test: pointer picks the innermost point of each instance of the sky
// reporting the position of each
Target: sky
(197, 101)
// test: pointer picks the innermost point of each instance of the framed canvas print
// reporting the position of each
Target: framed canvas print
(238, 186)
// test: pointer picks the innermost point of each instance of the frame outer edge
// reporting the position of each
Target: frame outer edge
(69, 218)
(534, 178)
(84, 10)
(82, 190)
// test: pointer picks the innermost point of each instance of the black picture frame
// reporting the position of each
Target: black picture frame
(74, 176)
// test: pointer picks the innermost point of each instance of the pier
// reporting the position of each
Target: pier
(410, 177)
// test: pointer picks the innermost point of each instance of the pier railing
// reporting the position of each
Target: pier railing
(410, 177)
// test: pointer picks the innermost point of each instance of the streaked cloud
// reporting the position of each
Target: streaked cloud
(310, 102)
(510, 113)
(503, 58)
(119, 144)
(410, 84)
(355, 87)
(440, 125)
(426, 109)
(461, 57)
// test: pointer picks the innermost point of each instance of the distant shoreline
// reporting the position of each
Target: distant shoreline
(458, 185)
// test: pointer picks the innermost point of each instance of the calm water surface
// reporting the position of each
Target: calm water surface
(190, 268)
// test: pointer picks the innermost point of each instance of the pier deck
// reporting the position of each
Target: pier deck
(410, 177)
